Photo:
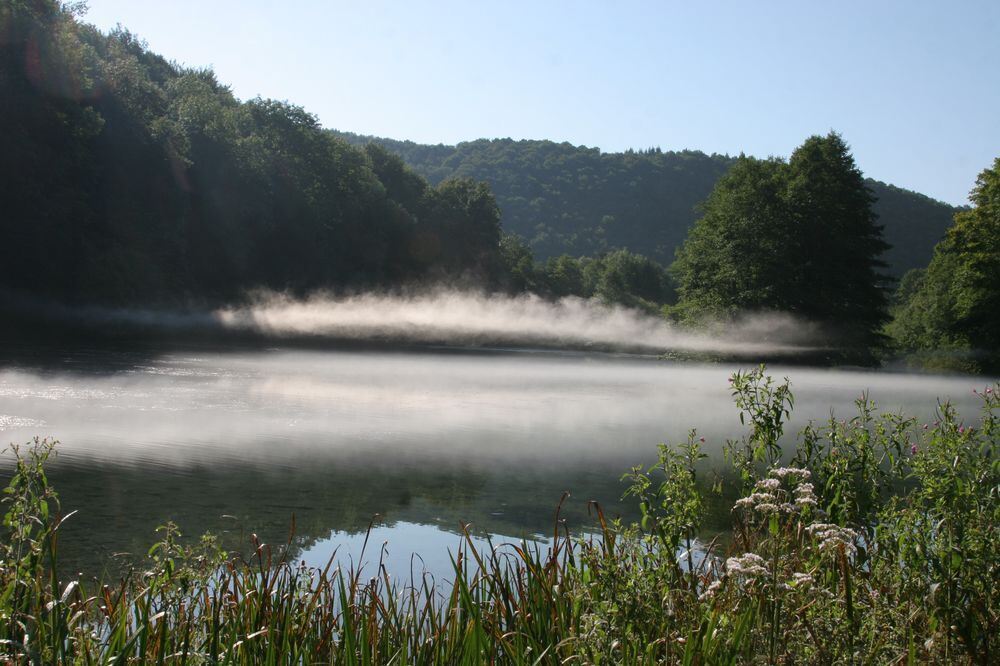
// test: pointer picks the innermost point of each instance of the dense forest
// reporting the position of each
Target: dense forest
(951, 309)
(126, 178)
(566, 199)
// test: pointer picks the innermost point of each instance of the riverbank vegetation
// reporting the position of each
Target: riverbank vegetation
(949, 314)
(872, 540)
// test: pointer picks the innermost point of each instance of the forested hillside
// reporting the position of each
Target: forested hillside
(951, 310)
(572, 199)
(126, 178)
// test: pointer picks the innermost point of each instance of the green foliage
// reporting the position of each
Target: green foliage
(955, 304)
(671, 509)
(616, 278)
(523, 274)
(739, 255)
(767, 406)
(127, 178)
(799, 237)
(903, 568)
(575, 200)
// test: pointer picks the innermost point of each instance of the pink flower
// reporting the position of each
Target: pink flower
(961, 429)
(913, 449)
(701, 439)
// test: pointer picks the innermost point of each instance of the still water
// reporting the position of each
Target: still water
(420, 442)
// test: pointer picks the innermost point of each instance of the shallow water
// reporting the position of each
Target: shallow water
(239, 442)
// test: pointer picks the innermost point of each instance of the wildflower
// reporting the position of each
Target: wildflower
(710, 591)
(768, 484)
(750, 565)
(783, 472)
(913, 449)
(701, 439)
(799, 580)
(831, 537)
(802, 578)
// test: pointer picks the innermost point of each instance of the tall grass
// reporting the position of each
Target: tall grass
(873, 541)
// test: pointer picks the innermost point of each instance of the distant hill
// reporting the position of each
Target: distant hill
(578, 200)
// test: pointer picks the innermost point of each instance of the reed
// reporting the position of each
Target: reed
(873, 541)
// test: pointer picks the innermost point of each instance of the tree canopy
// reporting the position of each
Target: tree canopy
(127, 178)
(955, 303)
(797, 236)
(565, 199)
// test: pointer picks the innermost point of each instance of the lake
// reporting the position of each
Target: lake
(238, 441)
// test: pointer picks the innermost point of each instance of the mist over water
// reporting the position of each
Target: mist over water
(470, 318)
(425, 437)
(455, 317)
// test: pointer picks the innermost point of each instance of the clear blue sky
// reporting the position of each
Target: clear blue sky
(913, 86)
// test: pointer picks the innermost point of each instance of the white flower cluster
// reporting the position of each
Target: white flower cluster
(832, 537)
(799, 581)
(769, 485)
(768, 497)
(710, 591)
(795, 473)
(762, 502)
(750, 565)
(805, 495)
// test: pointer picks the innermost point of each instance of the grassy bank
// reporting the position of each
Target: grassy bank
(874, 541)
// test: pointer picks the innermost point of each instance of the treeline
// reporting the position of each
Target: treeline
(949, 313)
(619, 277)
(801, 236)
(797, 236)
(127, 178)
(565, 199)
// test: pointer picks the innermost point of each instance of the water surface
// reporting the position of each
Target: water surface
(420, 441)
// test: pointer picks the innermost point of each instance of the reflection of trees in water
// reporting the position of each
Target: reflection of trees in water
(121, 506)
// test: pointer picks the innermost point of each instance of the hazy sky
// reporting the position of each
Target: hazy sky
(912, 85)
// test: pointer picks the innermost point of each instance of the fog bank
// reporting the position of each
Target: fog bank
(469, 318)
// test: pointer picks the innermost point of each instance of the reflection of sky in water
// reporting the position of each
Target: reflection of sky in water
(407, 550)
(335, 436)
